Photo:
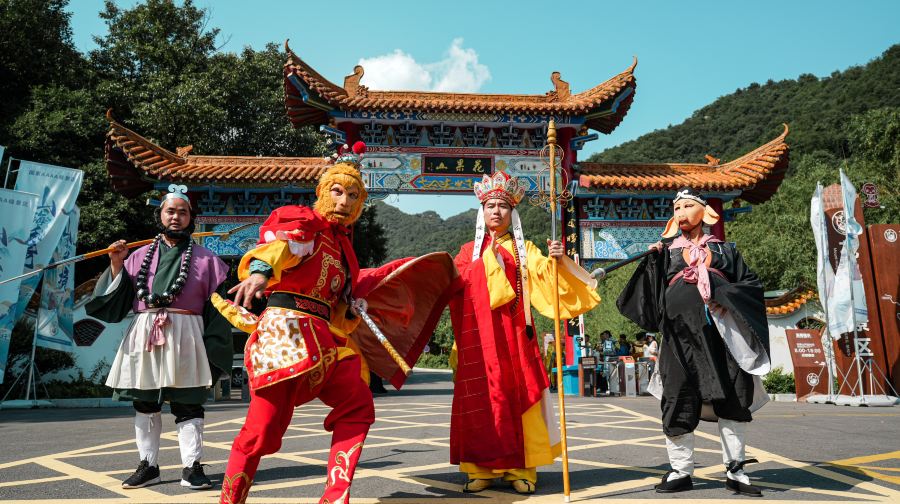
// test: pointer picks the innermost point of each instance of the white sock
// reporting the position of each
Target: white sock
(681, 455)
(147, 429)
(190, 441)
(732, 435)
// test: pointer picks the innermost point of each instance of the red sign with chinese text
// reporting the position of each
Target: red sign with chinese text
(810, 373)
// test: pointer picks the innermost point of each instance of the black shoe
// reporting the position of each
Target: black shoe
(193, 477)
(742, 488)
(676, 485)
(144, 475)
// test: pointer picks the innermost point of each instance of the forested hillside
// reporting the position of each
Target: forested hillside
(850, 119)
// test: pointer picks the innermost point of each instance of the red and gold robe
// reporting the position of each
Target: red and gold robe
(502, 419)
(314, 263)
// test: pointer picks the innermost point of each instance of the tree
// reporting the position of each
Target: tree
(369, 242)
(36, 49)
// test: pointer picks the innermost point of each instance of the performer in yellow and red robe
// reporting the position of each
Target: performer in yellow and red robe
(503, 424)
(298, 349)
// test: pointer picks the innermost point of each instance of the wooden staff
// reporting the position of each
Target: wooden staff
(600, 273)
(224, 236)
(560, 389)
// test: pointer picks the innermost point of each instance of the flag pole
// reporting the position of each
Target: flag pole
(554, 267)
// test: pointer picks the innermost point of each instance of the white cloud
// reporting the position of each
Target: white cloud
(459, 71)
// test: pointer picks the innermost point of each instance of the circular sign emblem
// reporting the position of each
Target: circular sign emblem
(839, 223)
(427, 349)
(812, 379)
(890, 235)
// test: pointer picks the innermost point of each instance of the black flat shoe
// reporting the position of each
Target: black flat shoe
(741, 488)
(676, 485)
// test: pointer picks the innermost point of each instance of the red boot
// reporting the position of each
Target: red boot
(346, 447)
(235, 488)
(238, 476)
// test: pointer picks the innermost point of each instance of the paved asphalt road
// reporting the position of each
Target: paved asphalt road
(616, 453)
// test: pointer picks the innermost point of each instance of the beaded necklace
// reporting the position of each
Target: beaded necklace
(500, 241)
(168, 296)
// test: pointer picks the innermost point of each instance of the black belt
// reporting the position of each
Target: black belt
(299, 302)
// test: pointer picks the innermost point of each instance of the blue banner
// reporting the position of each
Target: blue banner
(16, 215)
(54, 321)
(57, 188)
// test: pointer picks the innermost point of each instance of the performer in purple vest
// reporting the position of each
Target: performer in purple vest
(178, 344)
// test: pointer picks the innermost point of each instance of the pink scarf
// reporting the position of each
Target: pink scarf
(157, 336)
(696, 271)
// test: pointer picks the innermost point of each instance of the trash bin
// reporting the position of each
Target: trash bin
(644, 369)
(612, 375)
(626, 376)
(587, 376)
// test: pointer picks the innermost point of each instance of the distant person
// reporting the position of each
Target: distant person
(637, 348)
(623, 349)
(651, 349)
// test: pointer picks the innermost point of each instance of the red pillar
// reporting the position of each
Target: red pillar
(564, 137)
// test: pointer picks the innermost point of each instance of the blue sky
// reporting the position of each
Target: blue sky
(689, 53)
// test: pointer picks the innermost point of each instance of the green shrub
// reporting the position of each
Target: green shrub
(779, 382)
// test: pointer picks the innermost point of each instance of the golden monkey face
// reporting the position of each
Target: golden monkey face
(341, 195)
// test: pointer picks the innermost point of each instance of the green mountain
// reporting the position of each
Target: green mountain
(817, 110)
(849, 120)
(413, 235)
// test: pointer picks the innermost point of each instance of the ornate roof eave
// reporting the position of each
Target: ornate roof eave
(309, 97)
(790, 301)
(756, 175)
(134, 163)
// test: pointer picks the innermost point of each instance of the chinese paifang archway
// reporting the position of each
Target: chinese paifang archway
(430, 142)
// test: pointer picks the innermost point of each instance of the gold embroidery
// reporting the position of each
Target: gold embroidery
(229, 484)
(327, 260)
(342, 465)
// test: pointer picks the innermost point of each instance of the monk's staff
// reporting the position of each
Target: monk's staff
(359, 306)
(554, 266)
(600, 273)
(224, 235)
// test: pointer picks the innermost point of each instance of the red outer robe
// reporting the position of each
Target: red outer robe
(500, 373)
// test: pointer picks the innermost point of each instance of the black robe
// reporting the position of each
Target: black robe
(695, 365)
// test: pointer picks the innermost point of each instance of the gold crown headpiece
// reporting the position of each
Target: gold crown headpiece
(500, 185)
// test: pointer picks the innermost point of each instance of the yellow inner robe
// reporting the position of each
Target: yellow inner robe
(577, 294)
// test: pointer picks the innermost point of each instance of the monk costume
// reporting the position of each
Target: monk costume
(177, 346)
(503, 424)
(698, 292)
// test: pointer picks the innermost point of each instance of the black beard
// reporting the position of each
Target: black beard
(177, 235)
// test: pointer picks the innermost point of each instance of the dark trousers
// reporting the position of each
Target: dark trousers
(182, 412)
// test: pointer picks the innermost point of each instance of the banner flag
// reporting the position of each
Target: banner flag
(16, 215)
(847, 300)
(57, 188)
(824, 271)
(54, 328)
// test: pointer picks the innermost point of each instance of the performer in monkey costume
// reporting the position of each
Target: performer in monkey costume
(298, 349)
(709, 307)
